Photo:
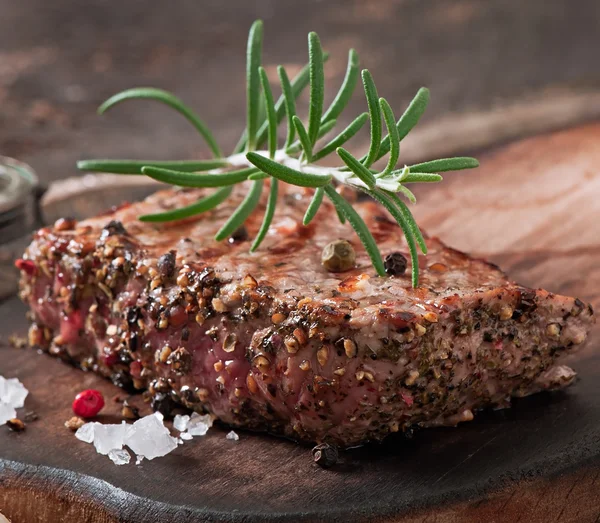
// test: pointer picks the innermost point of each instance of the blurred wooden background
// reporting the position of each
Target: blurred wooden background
(497, 69)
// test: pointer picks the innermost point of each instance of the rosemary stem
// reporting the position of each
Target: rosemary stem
(339, 174)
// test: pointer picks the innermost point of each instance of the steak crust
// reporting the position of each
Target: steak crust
(272, 341)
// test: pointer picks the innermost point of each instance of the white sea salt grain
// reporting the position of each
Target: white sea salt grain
(199, 424)
(119, 456)
(149, 437)
(181, 422)
(232, 436)
(12, 392)
(85, 433)
(109, 437)
(12, 396)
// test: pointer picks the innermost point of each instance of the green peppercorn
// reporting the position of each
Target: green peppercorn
(338, 256)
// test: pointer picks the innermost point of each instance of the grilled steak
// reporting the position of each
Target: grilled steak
(272, 341)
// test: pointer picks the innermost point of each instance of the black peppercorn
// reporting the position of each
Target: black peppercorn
(325, 455)
(188, 396)
(180, 361)
(395, 264)
(239, 235)
(129, 411)
(133, 314)
(166, 264)
(409, 433)
(112, 228)
(121, 379)
(163, 403)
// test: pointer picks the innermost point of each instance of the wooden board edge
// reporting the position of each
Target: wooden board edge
(30, 494)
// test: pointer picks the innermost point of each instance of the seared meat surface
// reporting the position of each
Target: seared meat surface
(272, 341)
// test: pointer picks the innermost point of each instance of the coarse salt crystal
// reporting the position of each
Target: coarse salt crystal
(12, 396)
(149, 437)
(12, 392)
(119, 456)
(199, 424)
(181, 422)
(109, 437)
(85, 433)
(232, 436)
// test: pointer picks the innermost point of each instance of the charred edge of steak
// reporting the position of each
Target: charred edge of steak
(302, 371)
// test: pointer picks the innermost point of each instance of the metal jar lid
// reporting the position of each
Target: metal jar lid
(19, 195)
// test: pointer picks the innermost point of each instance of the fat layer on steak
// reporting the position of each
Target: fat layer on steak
(272, 341)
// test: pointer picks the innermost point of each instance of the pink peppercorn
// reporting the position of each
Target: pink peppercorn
(27, 266)
(88, 403)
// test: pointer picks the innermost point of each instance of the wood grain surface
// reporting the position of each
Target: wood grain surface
(533, 208)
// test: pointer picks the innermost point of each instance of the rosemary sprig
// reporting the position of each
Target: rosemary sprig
(295, 162)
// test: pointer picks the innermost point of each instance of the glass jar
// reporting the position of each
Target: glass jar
(19, 197)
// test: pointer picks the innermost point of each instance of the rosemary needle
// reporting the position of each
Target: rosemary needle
(172, 101)
(253, 82)
(269, 213)
(202, 205)
(135, 166)
(240, 215)
(317, 86)
(314, 205)
(374, 116)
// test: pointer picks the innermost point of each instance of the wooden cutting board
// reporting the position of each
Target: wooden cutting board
(533, 208)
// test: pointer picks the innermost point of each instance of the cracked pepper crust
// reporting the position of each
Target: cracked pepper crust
(272, 341)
